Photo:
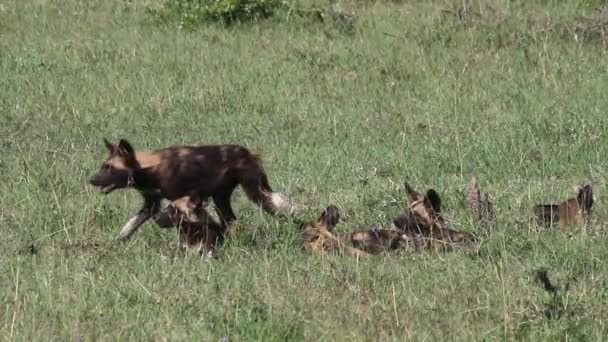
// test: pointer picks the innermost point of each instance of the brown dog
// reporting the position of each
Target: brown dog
(175, 172)
(424, 225)
(570, 212)
(196, 229)
(421, 225)
(320, 237)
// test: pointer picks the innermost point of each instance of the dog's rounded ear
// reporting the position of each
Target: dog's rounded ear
(111, 147)
(432, 200)
(125, 149)
(330, 216)
(585, 196)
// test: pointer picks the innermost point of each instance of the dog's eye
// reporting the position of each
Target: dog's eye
(107, 167)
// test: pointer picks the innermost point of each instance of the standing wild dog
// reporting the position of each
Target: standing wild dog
(175, 172)
(196, 229)
(570, 212)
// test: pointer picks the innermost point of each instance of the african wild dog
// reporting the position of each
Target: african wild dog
(196, 229)
(569, 212)
(320, 239)
(421, 226)
(424, 225)
(200, 171)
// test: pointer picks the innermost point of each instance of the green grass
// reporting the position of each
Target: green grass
(341, 117)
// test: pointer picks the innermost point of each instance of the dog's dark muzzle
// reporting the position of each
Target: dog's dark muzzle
(104, 187)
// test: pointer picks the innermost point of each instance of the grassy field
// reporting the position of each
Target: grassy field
(343, 112)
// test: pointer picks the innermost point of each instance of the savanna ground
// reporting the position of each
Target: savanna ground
(343, 111)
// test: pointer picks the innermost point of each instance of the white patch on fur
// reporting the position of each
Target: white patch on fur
(164, 203)
(210, 255)
(129, 228)
(213, 215)
(282, 204)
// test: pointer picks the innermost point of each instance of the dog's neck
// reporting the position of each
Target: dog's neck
(145, 181)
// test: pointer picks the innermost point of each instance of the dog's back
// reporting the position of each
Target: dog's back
(570, 212)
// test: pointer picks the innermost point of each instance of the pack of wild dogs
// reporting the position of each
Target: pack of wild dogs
(178, 182)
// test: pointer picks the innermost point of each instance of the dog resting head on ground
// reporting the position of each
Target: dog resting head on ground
(196, 229)
(377, 241)
(421, 226)
(570, 212)
(171, 173)
(422, 222)
(321, 239)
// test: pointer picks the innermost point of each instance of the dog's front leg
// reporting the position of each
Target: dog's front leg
(150, 208)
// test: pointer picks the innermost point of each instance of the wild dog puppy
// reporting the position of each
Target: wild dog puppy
(179, 171)
(196, 229)
(320, 237)
(424, 225)
(570, 212)
(377, 241)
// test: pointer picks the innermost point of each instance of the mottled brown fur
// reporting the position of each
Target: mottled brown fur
(196, 229)
(572, 211)
(320, 237)
(377, 241)
(179, 171)
(423, 223)
(421, 226)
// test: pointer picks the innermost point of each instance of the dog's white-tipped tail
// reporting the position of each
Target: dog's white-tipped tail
(281, 204)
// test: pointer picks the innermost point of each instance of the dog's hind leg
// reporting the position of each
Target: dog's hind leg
(226, 215)
(223, 206)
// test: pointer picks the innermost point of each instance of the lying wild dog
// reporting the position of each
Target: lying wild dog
(175, 172)
(320, 238)
(570, 212)
(196, 229)
(421, 226)
(425, 226)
